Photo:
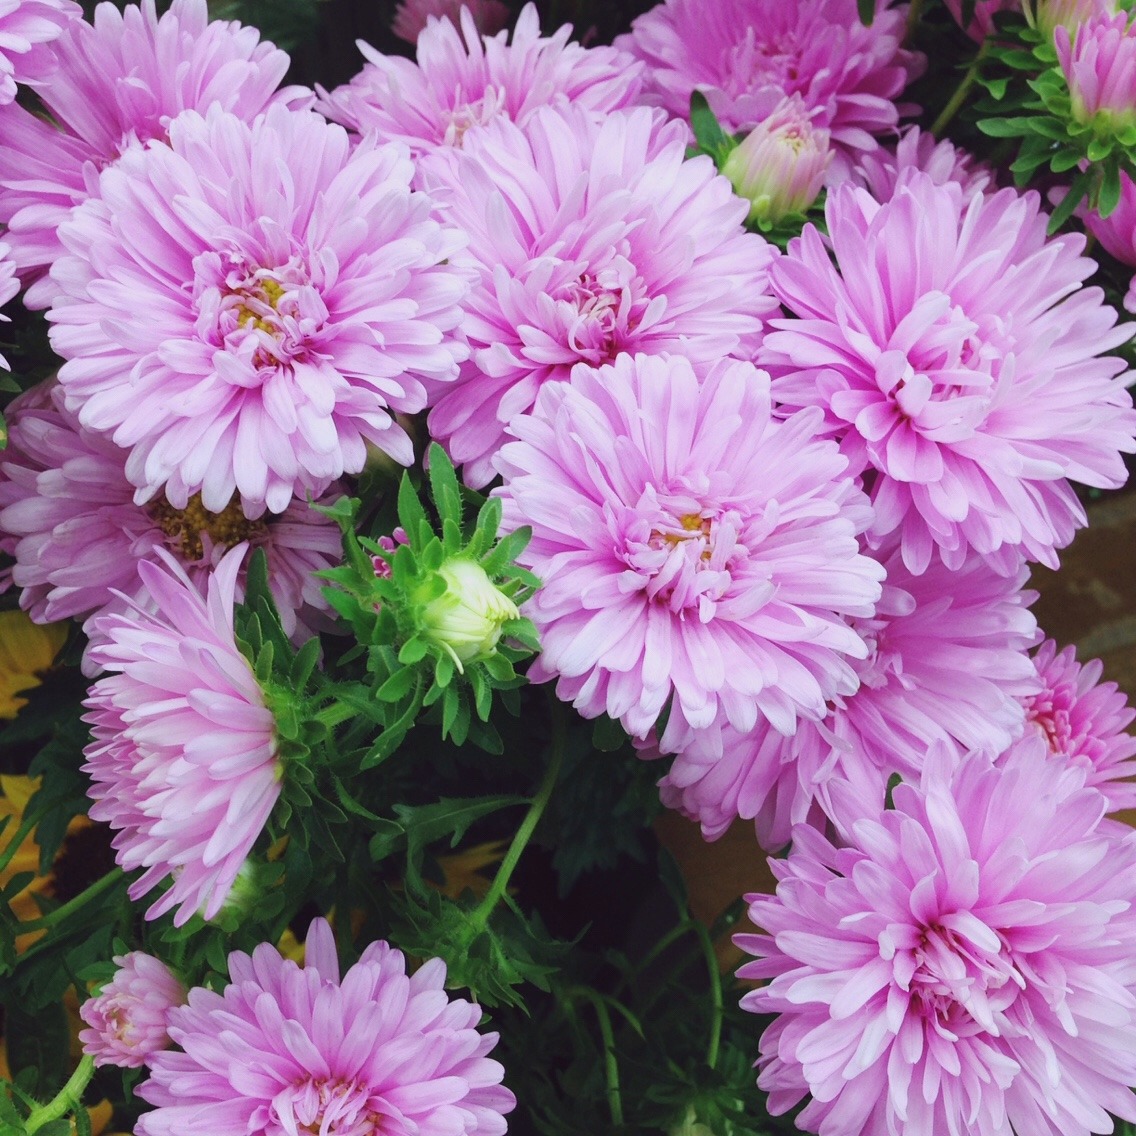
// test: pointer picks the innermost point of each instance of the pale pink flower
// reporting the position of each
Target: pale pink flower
(78, 537)
(463, 80)
(118, 84)
(964, 965)
(982, 22)
(589, 240)
(1098, 59)
(412, 17)
(746, 55)
(27, 31)
(286, 1049)
(956, 357)
(128, 1020)
(779, 166)
(296, 294)
(1085, 721)
(184, 762)
(947, 665)
(692, 549)
(882, 171)
(9, 286)
(1117, 232)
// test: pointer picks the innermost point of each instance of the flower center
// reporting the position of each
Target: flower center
(682, 551)
(601, 309)
(1052, 718)
(758, 60)
(186, 528)
(479, 113)
(325, 1106)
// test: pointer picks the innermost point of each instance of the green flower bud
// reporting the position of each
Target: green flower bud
(466, 619)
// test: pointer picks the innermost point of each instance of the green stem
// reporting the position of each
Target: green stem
(331, 716)
(913, 14)
(716, 1010)
(22, 833)
(480, 917)
(72, 905)
(961, 92)
(68, 1099)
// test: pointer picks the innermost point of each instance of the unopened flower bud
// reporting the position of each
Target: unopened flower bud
(1046, 15)
(129, 1017)
(780, 166)
(1098, 59)
(467, 618)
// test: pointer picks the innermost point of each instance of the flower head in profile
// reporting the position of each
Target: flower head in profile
(1048, 15)
(958, 360)
(589, 240)
(947, 665)
(1085, 721)
(183, 761)
(412, 17)
(289, 317)
(1098, 59)
(119, 83)
(745, 56)
(693, 550)
(28, 29)
(962, 964)
(286, 1048)
(77, 536)
(128, 1020)
(779, 166)
(463, 80)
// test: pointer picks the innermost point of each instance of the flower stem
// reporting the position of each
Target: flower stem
(331, 716)
(68, 1099)
(716, 1012)
(72, 905)
(913, 14)
(480, 917)
(961, 92)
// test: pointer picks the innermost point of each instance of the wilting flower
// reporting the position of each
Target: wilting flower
(1117, 232)
(956, 357)
(285, 1048)
(128, 1020)
(689, 545)
(118, 84)
(779, 166)
(1098, 59)
(463, 80)
(745, 56)
(963, 964)
(184, 760)
(287, 319)
(882, 171)
(26, 651)
(589, 240)
(982, 22)
(466, 619)
(946, 665)
(412, 17)
(27, 30)
(78, 537)
(1085, 721)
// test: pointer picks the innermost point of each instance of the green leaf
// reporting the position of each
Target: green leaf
(411, 515)
(444, 486)
(1070, 201)
(867, 11)
(305, 662)
(1005, 127)
(397, 686)
(1109, 197)
(712, 139)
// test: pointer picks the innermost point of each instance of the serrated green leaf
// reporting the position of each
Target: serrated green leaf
(306, 660)
(411, 515)
(444, 488)
(397, 687)
(413, 650)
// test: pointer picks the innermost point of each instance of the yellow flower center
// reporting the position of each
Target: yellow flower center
(268, 292)
(185, 527)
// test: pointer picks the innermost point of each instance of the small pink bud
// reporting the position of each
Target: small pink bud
(1099, 62)
(779, 166)
(128, 1018)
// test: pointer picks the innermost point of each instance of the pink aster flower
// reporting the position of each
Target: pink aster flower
(78, 537)
(589, 240)
(27, 29)
(982, 22)
(118, 84)
(296, 295)
(746, 55)
(1085, 721)
(286, 1049)
(1117, 232)
(412, 17)
(463, 80)
(964, 965)
(1098, 59)
(881, 171)
(957, 359)
(183, 763)
(9, 286)
(693, 550)
(128, 1019)
(946, 665)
